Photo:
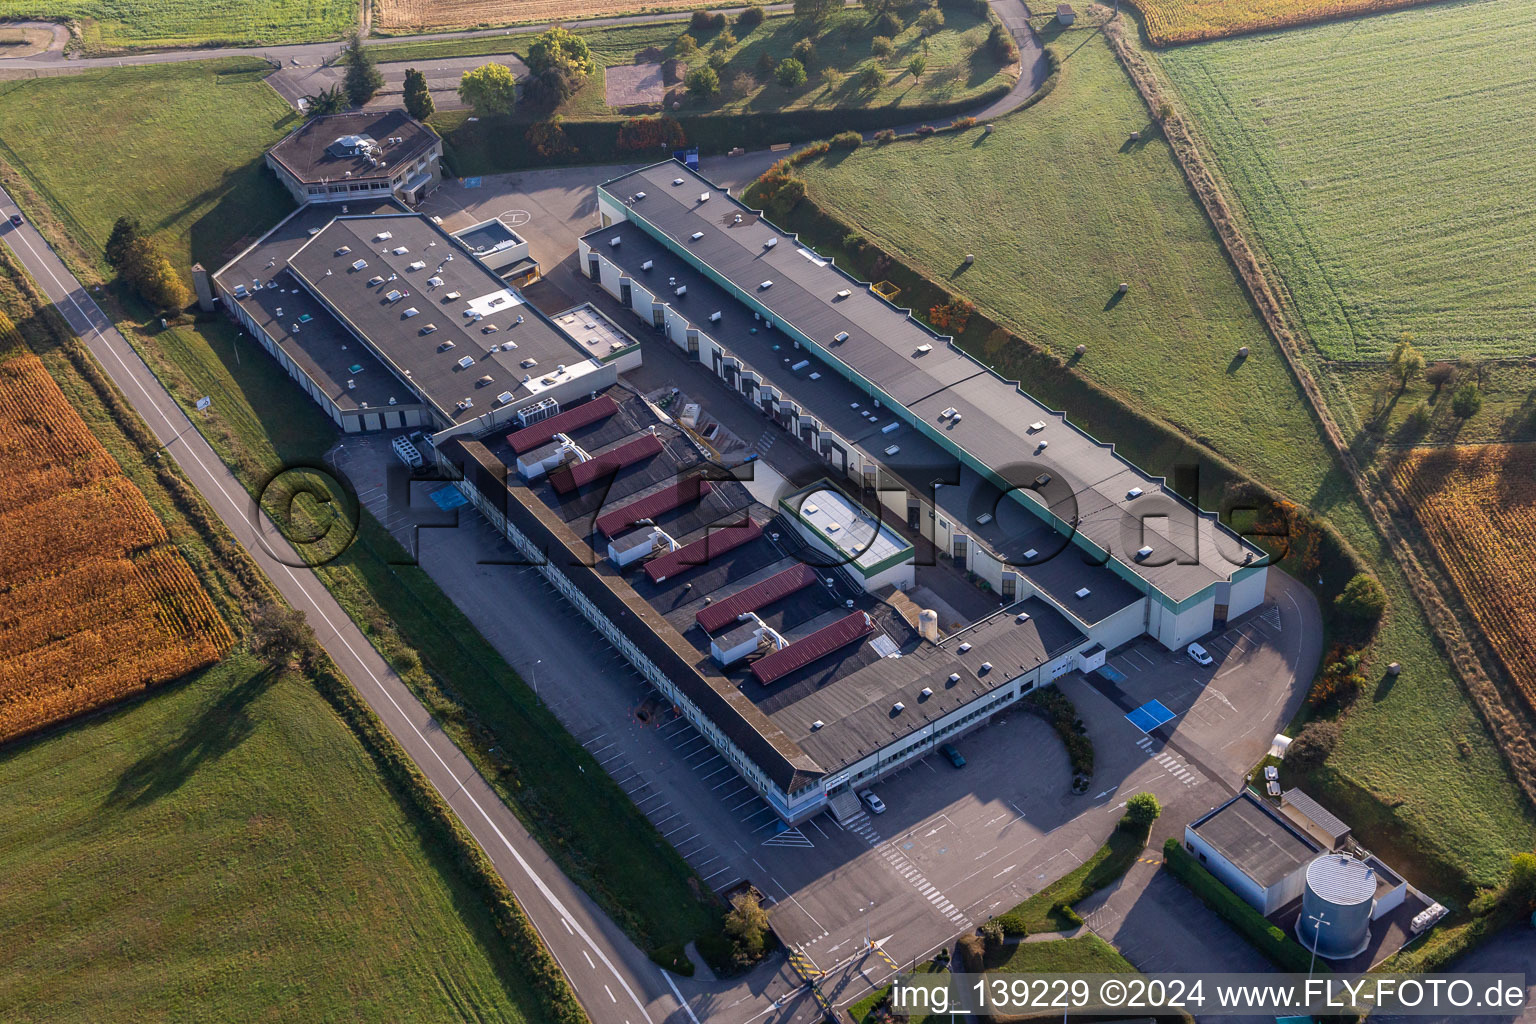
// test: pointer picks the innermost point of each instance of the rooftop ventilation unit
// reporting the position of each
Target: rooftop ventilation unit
(343, 250)
(680, 290)
(957, 417)
(964, 647)
(647, 265)
(409, 313)
(891, 428)
(703, 197)
(1134, 492)
(400, 250)
(484, 380)
(843, 294)
(445, 346)
(696, 235)
(986, 667)
(770, 243)
(393, 295)
(764, 286)
(1042, 446)
(360, 265)
(639, 196)
(677, 181)
(435, 282)
(894, 449)
(802, 364)
(984, 519)
(840, 337)
(947, 413)
(924, 349)
(898, 707)
(1037, 426)
(1143, 552)
(614, 241)
(383, 236)
(954, 677)
(736, 219)
(504, 397)
(925, 692)
(817, 725)
(375, 281)
(429, 328)
(1021, 617)
(714, 317)
(1082, 593)
(466, 362)
(417, 265)
(1031, 553)
(529, 364)
(451, 296)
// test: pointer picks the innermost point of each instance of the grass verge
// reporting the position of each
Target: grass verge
(116, 26)
(1050, 909)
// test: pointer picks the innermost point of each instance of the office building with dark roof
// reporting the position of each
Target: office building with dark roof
(1009, 488)
(359, 156)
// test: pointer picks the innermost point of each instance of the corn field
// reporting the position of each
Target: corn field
(1188, 21)
(1477, 506)
(97, 604)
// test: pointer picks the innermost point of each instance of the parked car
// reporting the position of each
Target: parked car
(952, 752)
(874, 803)
(1199, 654)
(16, 219)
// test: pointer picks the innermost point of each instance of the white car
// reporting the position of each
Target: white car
(874, 803)
(1201, 656)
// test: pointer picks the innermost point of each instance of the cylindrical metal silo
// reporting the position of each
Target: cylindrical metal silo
(1336, 906)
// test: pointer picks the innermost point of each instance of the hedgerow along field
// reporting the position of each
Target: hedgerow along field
(1170, 22)
(98, 604)
(1383, 166)
(1477, 506)
(118, 25)
(1059, 207)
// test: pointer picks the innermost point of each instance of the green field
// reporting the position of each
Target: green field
(187, 162)
(1059, 208)
(1384, 166)
(115, 25)
(225, 850)
(1083, 954)
(959, 66)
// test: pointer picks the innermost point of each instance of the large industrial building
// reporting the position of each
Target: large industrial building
(358, 156)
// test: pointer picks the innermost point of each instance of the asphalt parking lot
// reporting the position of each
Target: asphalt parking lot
(955, 846)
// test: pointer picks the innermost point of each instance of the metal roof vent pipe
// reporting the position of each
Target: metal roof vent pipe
(928, 625)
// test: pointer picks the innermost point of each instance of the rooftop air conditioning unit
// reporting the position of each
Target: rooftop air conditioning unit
(764, 286)
(435, 282)
(1084, 592)
(964, 647)
(351, 384)
(770, 243)
(647, 265)
(1037, 426)
(703, 197)
(890, 428)
(714, 317)
(843, 294)
(417, 265)
(451, 297)
(400, 250)
(1134, 492)
(639, 196)
(924, 349)
(677, 181)
(1143, 552)
(817, 725)
(383, 236)
(840, 337)
(802, 364)
(466, 362)
(696, 235)
(680, 290)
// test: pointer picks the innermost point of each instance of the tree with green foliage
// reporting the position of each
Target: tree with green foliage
(281, 635)
(548, 139)
(804, 51)
(917, 65)
(331, 101)
(870, 76)
(142, 264)
(1362, 598)
(125, 231)
(685, 45)
(702, 82)
(747, 925)
(790, 73)
(881, 47)
(1312, 745)
(418, 99)
(875, 8)
(750, 18)
(1143, 809)
(490, 89)
(816, 12)
(561, 48)
(1467, 401)
(362, 80)
(930, 21)
(1406, 362)
(833, 79)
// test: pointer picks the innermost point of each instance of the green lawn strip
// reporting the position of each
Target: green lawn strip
(225, 849)
(1284, 951)
(1067, 171)
(111, 26)
(1379, 188)
(1049, 909)
(1082, 954)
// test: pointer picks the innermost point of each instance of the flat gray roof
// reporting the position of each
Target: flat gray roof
(487, 237)
(1255, 839)
(432, 273)
(928, 374)
(920, 465)
(305, 152)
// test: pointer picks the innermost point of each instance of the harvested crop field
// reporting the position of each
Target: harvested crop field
(99, 604)
(416, 15)
(1477, 506)
(1189, 21)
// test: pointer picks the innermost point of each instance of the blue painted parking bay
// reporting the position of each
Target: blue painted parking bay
(448, 498)
(1150, 715)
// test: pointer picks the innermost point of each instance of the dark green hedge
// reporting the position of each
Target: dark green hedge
(1286, 953)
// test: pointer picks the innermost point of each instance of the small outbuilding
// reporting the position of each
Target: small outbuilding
(1065, 14)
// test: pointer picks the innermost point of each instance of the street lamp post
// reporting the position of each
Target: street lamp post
(1319, 922)
(536, 663)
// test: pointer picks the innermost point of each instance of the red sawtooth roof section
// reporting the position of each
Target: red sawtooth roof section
(759, 595)
(679, 494)
(813, 648)
(718, 541)
(535, 434)
(571, 476)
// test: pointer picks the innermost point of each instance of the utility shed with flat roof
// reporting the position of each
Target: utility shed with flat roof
(1253, 850)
